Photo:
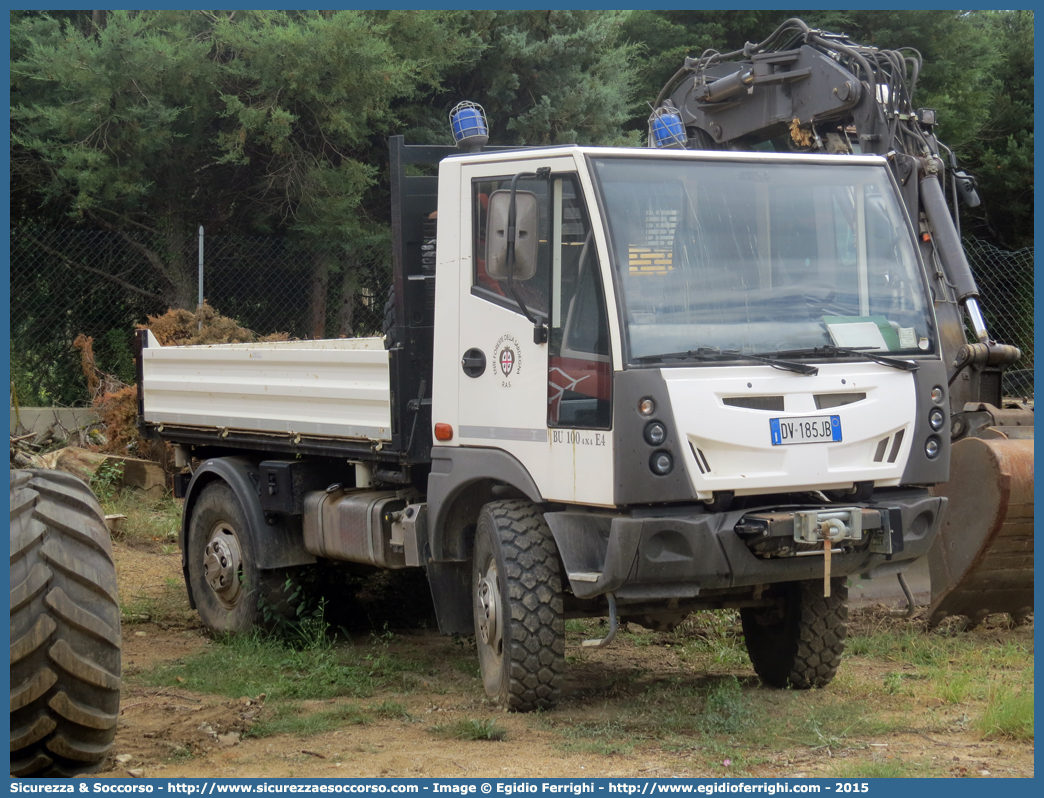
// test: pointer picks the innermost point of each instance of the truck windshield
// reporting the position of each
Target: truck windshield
(759, 258)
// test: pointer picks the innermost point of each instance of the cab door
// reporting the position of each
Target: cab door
(544, 398)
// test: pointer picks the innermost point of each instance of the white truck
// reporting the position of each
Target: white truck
(615, 382)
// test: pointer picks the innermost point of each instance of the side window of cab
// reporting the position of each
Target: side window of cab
(579, 388)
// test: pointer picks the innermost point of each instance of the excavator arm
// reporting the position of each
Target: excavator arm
(806, 90)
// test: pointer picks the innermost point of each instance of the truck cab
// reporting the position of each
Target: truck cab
(703, 368)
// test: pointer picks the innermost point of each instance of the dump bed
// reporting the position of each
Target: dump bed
(332, 390)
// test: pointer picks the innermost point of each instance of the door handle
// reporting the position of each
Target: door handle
(474, 362)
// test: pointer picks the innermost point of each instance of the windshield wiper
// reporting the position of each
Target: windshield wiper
(830, 349)
(707, 353)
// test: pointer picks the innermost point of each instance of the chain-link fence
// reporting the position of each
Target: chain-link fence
(1005, 281)
(65, 283)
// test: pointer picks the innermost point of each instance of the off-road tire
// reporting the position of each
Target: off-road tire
(65, 628)
(516, 563)
(257, 598)
(802, 647)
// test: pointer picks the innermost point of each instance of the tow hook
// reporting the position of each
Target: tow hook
(830, 527)
(601, 643)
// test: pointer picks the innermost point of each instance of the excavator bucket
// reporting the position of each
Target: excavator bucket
(982, 559)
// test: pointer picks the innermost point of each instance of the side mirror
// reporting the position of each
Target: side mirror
(526, 237)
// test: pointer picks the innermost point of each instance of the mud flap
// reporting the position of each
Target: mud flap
(982, 560)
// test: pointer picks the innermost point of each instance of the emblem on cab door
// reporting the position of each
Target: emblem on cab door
(507, 359)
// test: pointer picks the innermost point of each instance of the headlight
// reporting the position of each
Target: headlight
(655, 433)
(937, 395)
(936, 419)
(646, 407)
(661, 463)
(931, 448)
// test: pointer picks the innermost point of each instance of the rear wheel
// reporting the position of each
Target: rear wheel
(799, 642)
(518, 606)
(232, 594)
(65, 628)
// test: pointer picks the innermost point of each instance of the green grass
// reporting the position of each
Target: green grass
(830, 727)
(906, 645)
(579, 626)
(390, 710)
(726, 710)
(146, 521)
(1008, 714)
(488, 730)
(251, 664)
(953, 688)
(291, 718)
(608, 738)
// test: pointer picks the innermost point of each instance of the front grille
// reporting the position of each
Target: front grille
(824, 401)
(755, 402)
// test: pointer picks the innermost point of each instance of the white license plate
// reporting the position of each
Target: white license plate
(808, 429)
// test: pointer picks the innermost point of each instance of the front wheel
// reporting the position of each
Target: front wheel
(232, 594)
(518, 606)
(798, 643)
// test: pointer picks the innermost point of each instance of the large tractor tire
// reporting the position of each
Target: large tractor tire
(65, 628)
(518, 606)
(799, 643)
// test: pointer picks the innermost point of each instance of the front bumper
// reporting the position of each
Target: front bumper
(675, 552)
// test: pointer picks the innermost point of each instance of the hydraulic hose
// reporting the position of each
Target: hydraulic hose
(947, 242)
(748, 50)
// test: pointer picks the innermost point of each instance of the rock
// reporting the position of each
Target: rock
(228, 740)
(934, 702)
(123, 759)
(137, 773)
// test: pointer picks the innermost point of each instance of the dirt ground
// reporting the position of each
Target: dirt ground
(173, 732)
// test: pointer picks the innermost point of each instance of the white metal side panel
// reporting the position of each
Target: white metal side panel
(337, 388)
(454, 226)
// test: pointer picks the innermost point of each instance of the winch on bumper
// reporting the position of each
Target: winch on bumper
(675, 552)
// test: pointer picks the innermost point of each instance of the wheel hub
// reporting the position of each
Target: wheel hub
(222, 564)
(489, 603)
